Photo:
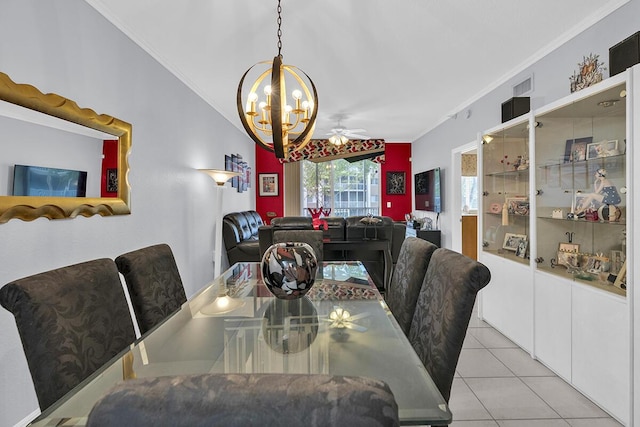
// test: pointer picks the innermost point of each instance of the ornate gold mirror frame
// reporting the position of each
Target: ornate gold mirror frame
(28, 208)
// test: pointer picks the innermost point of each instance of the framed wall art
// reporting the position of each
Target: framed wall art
(268, 183)
(396, 182)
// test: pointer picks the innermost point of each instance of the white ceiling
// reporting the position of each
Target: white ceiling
(395, 68)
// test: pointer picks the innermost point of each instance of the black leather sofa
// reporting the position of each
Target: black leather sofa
(345, 229)
(240, 235)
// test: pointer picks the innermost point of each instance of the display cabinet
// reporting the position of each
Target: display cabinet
(580, 187)
(505, 189)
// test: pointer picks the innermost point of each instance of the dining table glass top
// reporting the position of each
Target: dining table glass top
(235, 325)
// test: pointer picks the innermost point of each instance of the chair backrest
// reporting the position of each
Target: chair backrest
(443, 311)
(247, 400)
(407, 279)
(154, 284)
(312, 237)
(71, 321)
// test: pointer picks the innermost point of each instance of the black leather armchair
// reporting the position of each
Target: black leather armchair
(240, 235)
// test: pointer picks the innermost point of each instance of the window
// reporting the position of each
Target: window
(469, 187)
(347, 188)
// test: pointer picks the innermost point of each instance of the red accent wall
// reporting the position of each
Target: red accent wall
(109, 161)
(397, 158)
(266, 162)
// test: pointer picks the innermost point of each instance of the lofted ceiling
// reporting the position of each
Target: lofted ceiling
(395, 68)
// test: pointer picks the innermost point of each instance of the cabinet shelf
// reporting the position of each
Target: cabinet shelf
(617, 161)
(583, 221)
(508, 255)
(561, 271)
(508, 174)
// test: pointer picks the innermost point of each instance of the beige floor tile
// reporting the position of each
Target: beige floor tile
(521, 363)
(483, 423)
(563, 398)
(533, 423)
(509, 399)
(594, 422)
(464, 405)
(477, 362)
(491, 338)
(471, 342)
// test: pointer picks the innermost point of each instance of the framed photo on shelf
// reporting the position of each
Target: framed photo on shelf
(617, 259)
(512, 241)
(518, 205)
(521, 251)
(605, 148)
(396, 182)
(569, 247)
(575, 150)
(268, 184)
(621, 280)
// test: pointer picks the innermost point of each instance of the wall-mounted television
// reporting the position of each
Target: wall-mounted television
(428, 191)
(51, 182)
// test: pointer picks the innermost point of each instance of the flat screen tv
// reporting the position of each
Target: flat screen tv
(51, 182)
(428, 191)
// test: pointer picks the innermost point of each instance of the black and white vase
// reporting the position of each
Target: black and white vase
(289, 269)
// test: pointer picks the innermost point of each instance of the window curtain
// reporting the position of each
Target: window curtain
(321, 150)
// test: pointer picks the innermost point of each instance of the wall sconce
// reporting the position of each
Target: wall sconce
(220, 177)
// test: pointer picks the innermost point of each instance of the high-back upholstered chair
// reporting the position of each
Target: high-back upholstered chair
(312, 237)
(71, 321)
(407, 279)
(154, 284)
(443, 311)
(247, 400)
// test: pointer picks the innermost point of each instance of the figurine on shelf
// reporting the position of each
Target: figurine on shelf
(604, 192)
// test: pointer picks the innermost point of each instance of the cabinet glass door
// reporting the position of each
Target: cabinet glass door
(505, 186)
(581, 185)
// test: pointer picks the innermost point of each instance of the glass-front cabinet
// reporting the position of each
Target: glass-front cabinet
(580, 189)
(505, 189)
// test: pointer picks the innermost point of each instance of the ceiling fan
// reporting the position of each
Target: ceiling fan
(340, 135)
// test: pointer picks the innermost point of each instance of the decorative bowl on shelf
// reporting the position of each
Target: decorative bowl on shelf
(289, 269)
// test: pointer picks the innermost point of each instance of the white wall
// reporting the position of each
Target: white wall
(66, 47)
(551, 82)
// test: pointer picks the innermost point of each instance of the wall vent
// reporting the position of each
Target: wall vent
(524, 87)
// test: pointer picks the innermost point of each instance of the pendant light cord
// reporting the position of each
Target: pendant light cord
(279, 30)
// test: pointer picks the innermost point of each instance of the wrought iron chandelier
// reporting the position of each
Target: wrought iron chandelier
(272, 122)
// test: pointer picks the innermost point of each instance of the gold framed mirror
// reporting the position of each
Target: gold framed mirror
(28, 208)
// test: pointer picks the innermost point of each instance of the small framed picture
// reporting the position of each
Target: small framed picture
(568, 259)
(576, 149)
(512, 241)
(617, 259)
(621, 279)
(521, 251)
(268, 184)
(396, 182)
(112, 181)
(569, 247)
(602, 149)
(518, 205)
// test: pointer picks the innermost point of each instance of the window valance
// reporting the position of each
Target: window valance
(321, 150)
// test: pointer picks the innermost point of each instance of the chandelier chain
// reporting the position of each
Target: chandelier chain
(279, 29)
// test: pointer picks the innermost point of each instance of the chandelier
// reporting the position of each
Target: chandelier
(272, 122)
(338, 140)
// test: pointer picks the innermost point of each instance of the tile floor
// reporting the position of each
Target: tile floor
(497, 384)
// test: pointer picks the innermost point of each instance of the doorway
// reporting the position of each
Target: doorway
(464, 233)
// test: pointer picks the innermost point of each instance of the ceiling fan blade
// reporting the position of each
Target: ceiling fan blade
(356, 136)
(356, 130)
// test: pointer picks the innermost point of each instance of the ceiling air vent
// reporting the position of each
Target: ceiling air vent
(524, 87)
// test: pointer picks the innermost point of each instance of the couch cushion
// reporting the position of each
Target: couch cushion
(293, 222)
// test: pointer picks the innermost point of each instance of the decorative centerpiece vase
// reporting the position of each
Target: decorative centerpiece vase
(289, 269)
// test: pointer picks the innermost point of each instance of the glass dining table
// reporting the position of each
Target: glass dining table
(234, 325)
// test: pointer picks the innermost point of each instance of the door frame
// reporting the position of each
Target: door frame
(456, 182)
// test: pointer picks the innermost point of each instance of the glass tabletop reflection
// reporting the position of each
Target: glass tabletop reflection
(235, 325)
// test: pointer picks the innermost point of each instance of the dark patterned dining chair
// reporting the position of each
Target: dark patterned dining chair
(154, 284)
(442, 313)
(71, 321)
(407, 278)
(263, 400)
